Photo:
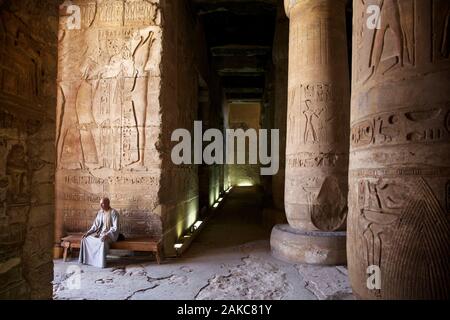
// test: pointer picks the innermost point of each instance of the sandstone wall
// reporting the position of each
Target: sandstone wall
(186, 73)
(109, 116)
(137, 77)
(28, 49)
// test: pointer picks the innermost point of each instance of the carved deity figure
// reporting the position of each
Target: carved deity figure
(110, 104)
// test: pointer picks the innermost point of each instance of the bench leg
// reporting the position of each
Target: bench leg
(65, 254)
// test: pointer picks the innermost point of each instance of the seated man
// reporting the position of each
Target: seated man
(95, 243)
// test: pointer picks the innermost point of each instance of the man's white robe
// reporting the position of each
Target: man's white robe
(93, 250)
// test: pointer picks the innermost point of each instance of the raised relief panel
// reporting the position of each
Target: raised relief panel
(393, 45)
(103, 112)
(111, 99)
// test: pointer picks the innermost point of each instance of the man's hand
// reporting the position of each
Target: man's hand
(85, 235)
(103, 237)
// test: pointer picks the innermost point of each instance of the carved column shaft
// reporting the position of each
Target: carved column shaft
(317, 131)
(400, 150)
(318, 109)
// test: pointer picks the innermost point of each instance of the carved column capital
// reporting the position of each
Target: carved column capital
(289, 4)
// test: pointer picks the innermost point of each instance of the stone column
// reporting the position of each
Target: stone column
(317, 135)
(399, 197)
(280, 61)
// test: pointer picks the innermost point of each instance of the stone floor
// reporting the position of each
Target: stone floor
(230, 260)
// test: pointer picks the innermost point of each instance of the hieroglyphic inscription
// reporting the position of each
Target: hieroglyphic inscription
(311, 160)
(95, 198)
(117, 13)
(427, 125)
(399, 172)
(114, 180)
(132, 221)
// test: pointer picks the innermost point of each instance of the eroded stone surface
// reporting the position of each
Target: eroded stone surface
(327, 283)
(247, 272)
(400, 150)
(108, 115)
(28, 50)
(317, 116)
(253, 280)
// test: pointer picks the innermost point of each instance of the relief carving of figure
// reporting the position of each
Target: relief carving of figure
(393, 43)
(310, 129)
(380, 206)
(110, 104)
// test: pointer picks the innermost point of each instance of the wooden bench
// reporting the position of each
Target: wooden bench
(73, 241)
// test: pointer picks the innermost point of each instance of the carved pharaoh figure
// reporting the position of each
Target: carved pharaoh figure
(310, 128)
(112, 97)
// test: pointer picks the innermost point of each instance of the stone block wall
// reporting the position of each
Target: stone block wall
(185, 68)
(28, 50)
(109, 115)
(120, 98)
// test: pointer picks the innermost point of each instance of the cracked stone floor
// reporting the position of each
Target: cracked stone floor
(229, 260)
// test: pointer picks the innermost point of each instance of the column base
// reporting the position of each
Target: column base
(308, 247)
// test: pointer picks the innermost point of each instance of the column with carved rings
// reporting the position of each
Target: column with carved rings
(399, 178)
(317, 135)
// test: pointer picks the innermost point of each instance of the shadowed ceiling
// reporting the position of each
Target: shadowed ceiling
(240, 36)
